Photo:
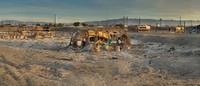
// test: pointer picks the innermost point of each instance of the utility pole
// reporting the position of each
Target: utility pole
(160, 22)
(185, 26)
(184, 23)
(127, 20)
(124, 20)
(55, 19)
(180, 20)
(139, 21)
(156, 27)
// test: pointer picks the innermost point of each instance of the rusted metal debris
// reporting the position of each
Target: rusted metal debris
(98, 39)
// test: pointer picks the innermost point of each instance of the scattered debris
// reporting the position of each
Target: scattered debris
(110, 39)
(46, 63)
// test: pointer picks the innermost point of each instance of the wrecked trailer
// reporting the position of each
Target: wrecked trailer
(98, 39)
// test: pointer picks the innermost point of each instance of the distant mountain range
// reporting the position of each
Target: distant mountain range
(16, 22)
(131, 21)
(152, 22)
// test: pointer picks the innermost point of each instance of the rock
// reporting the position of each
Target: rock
(172, 49)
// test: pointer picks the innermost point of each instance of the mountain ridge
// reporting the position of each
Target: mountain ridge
(153, 22)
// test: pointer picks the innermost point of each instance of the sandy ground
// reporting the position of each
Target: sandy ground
(154, 60)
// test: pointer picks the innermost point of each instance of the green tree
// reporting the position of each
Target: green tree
(76, 24)
(119, 25)
(84, 24)
(60, 25)
(38, 24)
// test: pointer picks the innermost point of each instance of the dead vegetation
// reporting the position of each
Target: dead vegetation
(25, 33)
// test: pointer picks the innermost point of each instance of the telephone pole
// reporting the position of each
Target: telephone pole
(55, 19)
(184, 24)
(127, 20)
(180, 20)
(139, 21)
(160, 22)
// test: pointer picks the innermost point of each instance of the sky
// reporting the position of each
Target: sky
(92, 10)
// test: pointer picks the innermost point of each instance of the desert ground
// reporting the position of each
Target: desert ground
(156, 59)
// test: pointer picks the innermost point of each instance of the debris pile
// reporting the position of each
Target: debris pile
(110, 39)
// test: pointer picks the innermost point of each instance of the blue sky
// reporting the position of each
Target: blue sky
(88, 10)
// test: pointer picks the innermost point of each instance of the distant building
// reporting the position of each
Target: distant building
(144, 27)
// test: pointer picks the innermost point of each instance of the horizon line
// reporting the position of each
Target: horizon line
(163, 19)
